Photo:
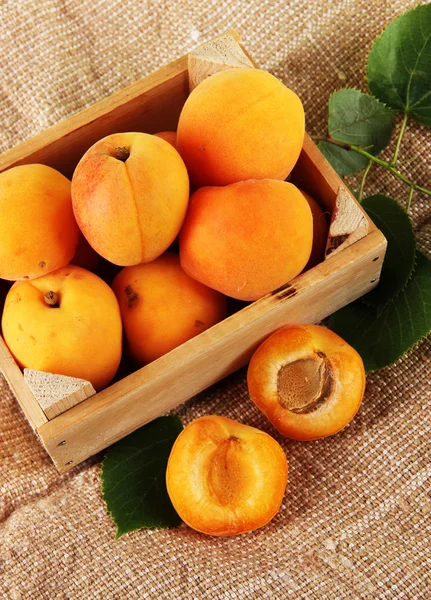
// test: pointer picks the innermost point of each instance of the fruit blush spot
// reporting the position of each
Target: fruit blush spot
(131, 297)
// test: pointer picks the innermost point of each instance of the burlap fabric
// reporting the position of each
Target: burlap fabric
(355, 522)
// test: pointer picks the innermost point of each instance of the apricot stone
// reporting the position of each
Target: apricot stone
(162, 307)
(320, 232)
(130, 193)
(168, 136)
(67, 322)
(38, 232)
(225, 478)
(248, 238)
(240, 124)
(307, 381)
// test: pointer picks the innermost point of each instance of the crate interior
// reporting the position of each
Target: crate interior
(152, 105)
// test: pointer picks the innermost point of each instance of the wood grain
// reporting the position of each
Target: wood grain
(57, 393)
(12, 373)
(215, 56)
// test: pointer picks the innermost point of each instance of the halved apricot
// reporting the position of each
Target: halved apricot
(307, 381)
(225, 478)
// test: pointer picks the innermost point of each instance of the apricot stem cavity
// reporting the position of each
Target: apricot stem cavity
(51, 299)
(305, 384)
(122, 153)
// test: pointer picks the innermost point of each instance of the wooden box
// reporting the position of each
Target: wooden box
(352, 267)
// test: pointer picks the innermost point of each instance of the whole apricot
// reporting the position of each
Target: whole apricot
(38, 232)
(240, 124)
(320, 232)
(307, 381)
(67, 322)
(225, 478)
(248, 238)
(130, 193)
(168, 136)
(162, 307)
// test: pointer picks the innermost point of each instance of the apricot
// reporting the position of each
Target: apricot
(225, 478)
(162, 307)
(168, 136)
(248, 238)
(38, 232)
(130, 193)
(307, 381)
(240, 124)
(67, 322)
(85, 256)
(320, 233)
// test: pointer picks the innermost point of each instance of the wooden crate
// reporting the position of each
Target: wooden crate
(352, 267)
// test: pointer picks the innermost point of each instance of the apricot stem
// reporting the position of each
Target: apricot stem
(51, 299)
(383, 163)
(122, 153)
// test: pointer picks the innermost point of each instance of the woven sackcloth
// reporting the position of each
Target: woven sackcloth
(356, 518)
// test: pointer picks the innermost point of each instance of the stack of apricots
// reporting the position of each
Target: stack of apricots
(243, 232)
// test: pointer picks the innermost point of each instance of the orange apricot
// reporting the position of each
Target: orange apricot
(240, 124)
(225, 478)
(248, 238)
(307, 381)
(67, 322)
(162, 307)
(130, 193)
(38, 232)
(320, 233)
(168, 136)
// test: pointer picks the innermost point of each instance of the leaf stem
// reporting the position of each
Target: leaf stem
(412, 189)
(364, 176)
(400, 137)
(375, 159)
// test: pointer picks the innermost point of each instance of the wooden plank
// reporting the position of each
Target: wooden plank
(12, 373)
(152, 104)
(57, 393)
(162, 385)
(217, 55)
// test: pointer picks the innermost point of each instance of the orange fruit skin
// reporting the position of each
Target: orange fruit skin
(168, 136)
(80, 338)
(240, 124)
(225, 478)
(130, 211)
(320, 233)
(300, 341)
(248, 238)
(38, 231)
(162, 307)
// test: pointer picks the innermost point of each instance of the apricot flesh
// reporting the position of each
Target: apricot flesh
(130, 193)
(225, 478)
(162, 307)
(67, 322)
(38, 232)
(240, 124)
(307, 381)
(248, 238)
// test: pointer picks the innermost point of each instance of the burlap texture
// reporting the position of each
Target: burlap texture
(355, 522)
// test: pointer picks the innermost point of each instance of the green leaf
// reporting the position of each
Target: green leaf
(399, 263)
(133, 477)
(382, 339)
(399, 64)
(358, 119)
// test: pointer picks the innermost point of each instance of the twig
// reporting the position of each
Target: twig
(378, 161)
(410, 198)
(400, 137)
(364, 176)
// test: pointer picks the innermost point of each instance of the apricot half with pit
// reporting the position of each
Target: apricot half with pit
(307, 381)
(225, 478)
